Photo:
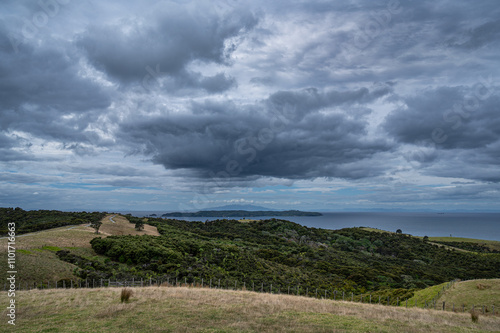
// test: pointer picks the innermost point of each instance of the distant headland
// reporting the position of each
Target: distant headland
(241, 213)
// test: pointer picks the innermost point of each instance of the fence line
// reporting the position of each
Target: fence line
(298, 290)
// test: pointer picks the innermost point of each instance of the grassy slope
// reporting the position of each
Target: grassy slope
(154, 309)
(425, 295)
(478, 292)
(494, 245)
(35, 253)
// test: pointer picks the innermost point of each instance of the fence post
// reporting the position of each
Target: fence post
(202, 282)
(361, 298)
(444, 305)
(388, 300)
(335, 295)
(343, 294)
(262, 287)
(483, 309)
(297, 289)
(210, 283)
(379, 300)
(397, 301)
(352, 297)
(271, 289)
(325, 293)
(406, 303)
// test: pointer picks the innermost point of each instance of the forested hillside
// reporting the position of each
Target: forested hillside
(284, 253)
(36, 220)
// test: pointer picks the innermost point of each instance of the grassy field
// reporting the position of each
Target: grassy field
(493, 245)
(477, 292)
(474, 292)
(35, 253)
(162, 309)
(246, 220)
(425, 295)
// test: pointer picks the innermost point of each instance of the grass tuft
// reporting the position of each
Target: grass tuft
(481, 286)
(474, 316)
(125, 295)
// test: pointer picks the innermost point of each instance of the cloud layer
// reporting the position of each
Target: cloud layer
(148, 104)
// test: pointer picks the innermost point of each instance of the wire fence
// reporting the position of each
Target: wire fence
(298, 290)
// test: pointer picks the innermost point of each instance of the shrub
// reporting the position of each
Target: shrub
(126, 294)
(474, 316)
(482, 286)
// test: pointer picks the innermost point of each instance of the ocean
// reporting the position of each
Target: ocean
(470, 225)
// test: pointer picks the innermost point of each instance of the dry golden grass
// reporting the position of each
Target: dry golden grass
(72, 236)
(78, 236)
(36, 259)
(122, 226)
(160, 309)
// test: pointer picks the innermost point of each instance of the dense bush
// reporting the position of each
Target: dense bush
(284, 253)
(36, 220)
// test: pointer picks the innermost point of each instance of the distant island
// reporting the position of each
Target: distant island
(241, 213)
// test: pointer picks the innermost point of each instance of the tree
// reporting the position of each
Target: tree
(426, 238)
(96, 225)
(399, 231)
(139, 225)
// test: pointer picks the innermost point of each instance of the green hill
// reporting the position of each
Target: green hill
(460, 296)
(271, 254)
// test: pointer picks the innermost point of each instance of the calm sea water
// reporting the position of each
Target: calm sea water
(470, 225)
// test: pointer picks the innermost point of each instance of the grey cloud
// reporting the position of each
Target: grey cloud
(166, 42)
(285, 136)
(479, 36)
(43, 93)
(456, 131)
(452, 117)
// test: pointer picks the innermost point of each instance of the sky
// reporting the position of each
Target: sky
(312, 105)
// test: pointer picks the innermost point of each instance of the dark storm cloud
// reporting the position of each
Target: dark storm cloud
(452, 117)
(458, 129)
(284, 136)
(163, 45)
(40, 86)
